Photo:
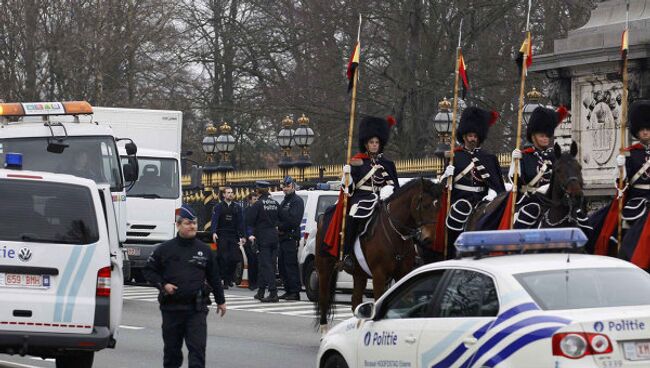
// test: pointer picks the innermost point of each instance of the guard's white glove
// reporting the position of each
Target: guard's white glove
(346, 169)
(516, 154)
(620, 160)
(449, 171)
(542, 189)
(490, 195)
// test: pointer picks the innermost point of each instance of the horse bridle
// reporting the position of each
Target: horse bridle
(410, 233)
(567, 199)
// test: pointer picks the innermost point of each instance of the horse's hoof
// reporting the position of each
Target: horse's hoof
(324, 329)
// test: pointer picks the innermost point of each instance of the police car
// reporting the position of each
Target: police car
(504, 310)
(60, 266)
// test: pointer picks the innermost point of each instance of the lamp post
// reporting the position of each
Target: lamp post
(442, 127)
(304, 137)
(209, 147)
(225, 143)
(285, 140)
(533, 98)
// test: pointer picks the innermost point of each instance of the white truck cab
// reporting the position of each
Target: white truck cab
(60, 267)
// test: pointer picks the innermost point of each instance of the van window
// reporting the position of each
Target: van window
(324, 202)
(47, 213)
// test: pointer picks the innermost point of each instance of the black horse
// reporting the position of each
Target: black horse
(562, 205)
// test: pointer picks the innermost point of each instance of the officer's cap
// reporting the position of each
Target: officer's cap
(262, 184)
(185, 212)
(288, 180)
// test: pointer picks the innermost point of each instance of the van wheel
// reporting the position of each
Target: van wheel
(335, 361)
(81, 359)
(310, 279)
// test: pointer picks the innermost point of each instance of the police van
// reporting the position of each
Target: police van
(60, 266)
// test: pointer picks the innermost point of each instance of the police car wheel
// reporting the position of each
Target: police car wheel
(310, 280)
(81, 359)
(335, 361)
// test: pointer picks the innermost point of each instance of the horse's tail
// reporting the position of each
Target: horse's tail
(326, 266)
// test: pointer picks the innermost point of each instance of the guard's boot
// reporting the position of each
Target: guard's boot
(260, 294)
(348, 263)
(272, 298)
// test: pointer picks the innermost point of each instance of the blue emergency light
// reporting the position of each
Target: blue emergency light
(520, 240)
(14, 161)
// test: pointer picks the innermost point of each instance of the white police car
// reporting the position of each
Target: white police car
(525, 310)
(60, 266)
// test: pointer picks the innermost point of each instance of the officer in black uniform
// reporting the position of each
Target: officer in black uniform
(250, 248)
(179, 268)
(536, 164)
(228, 234)
(262, 222)
(370, 171)
(476, 172)
(292, 209)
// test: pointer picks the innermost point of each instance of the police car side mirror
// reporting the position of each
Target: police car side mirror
(365, 311)
(131, 148)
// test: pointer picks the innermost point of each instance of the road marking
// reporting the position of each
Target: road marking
(18, 365)
(127, 327)
(245, 303)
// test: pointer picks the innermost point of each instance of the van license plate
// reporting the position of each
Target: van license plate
(26, 281)
(637, 350)
(132, 251)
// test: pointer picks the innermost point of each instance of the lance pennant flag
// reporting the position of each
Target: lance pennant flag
(462, 71)
(624, 49)
(353, 64)
(525, 51)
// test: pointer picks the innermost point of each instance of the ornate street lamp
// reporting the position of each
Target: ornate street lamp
(442, 127)
(225, 144)
(533, 97)
(209, 146)
(304, 137)
(286, 141)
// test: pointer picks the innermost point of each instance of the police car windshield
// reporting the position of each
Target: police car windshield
(47, 212)
(158, 178)
(92, 158)
(587, 288)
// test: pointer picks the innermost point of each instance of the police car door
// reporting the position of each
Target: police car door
(465, 310)
(391, 339)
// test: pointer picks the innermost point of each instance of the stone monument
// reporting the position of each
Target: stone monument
(584, 73)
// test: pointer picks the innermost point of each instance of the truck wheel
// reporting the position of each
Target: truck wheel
(335, 361)
(81, 359)
(310, 279)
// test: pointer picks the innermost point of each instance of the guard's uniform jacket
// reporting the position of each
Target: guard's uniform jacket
(227, 220)
(188, 264)
(536, 170)
(475, 172)
(262, 220)
(369, 175)
(637, 166)
(290, 215)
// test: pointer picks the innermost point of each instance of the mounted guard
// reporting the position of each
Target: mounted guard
(370, 171)
(535, 165)
(476, 172)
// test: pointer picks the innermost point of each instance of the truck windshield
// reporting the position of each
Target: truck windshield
(158, 178)
(90, 157)
(587, 288)
(47, 212)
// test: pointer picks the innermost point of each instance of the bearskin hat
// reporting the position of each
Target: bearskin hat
(639, 116)
(545, 120)
(372, 126)
(476, 120)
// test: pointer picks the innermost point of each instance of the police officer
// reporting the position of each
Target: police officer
(228, 234)
(262, 222)
(250, 248)
(179, 268)
(536, 164)
(370, 171)
(476, 172)
(292, 209)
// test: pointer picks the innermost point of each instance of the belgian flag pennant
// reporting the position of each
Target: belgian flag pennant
(462, 72)
(525, 54)
(353, 64)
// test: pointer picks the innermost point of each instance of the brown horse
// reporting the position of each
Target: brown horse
(408, 214)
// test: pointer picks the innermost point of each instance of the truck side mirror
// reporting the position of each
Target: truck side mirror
(131, 148)
(130, 171)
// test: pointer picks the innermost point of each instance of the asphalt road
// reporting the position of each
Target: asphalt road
(251, 334)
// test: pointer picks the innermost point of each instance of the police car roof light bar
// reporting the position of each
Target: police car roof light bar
(520, 241)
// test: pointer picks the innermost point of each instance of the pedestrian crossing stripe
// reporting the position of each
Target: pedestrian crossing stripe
(248, 304)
